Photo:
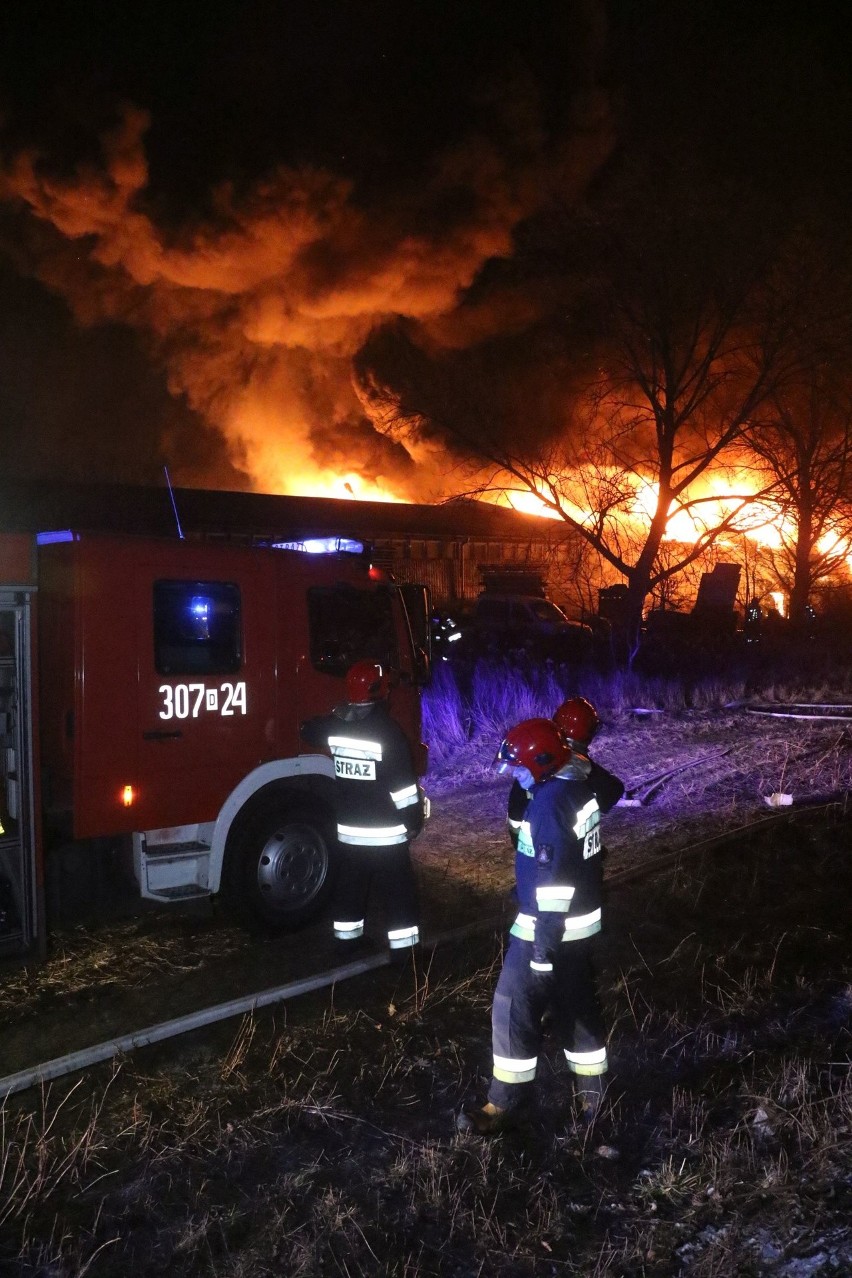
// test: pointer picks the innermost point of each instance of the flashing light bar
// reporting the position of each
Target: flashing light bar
(51, 538)
(323, 546)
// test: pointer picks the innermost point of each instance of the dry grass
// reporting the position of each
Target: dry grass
(325, 1144)
(319, 1140)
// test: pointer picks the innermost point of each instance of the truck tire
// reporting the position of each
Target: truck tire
(278, 874)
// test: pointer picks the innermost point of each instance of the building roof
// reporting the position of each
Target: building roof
(39, 507)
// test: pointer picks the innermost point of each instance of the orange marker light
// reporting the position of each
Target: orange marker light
(128, 796)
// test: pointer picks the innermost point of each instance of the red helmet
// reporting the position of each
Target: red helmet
(366, 681)
(578, 719)
(535, 744)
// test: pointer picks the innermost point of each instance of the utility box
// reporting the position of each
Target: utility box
(717, 590)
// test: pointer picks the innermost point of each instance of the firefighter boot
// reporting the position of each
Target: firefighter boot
(589, 1090)
(490, 1120)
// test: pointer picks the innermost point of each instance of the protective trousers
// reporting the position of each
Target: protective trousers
(521, 1000)
(386, 874)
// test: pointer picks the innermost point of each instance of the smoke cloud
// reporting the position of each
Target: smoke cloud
(256, 310)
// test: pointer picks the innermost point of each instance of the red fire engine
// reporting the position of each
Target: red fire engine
(151, 691)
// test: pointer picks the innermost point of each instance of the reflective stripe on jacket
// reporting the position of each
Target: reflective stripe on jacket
(574, 928)
(376, 796)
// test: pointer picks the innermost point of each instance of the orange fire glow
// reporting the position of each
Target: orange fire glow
(722, 494)
(529, 503)
(279, 454)
(256, 313)
(721, 497)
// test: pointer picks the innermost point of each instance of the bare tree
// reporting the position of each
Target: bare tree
(688, 338)
(803, 436)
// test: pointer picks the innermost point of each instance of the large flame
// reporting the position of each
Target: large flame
(721, 496)
(726, 494)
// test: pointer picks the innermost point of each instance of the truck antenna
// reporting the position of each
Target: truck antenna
(174, 503)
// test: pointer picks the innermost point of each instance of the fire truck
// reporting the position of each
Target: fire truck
(151, 694)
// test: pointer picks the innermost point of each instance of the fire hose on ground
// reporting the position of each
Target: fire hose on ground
(82, 1059)
(640, 794)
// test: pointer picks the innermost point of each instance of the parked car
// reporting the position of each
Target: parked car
(522, 626)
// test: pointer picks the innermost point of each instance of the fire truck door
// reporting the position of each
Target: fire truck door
(206, 691)
(19, 872)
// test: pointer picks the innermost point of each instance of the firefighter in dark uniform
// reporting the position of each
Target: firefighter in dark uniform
(379, 807)
(577, 719)
(548, 966)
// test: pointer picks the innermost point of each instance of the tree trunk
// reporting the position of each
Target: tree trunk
(801, 572)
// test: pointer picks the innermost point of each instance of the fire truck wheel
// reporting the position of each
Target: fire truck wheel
(281, 870)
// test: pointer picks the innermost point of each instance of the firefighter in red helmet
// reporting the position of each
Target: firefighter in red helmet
(548, 965)
(379, 807)
(577, 719)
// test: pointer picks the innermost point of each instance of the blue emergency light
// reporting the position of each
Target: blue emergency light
(201, 609)
(52, 538)
(323, 546)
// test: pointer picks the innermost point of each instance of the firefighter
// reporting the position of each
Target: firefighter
(548, 966)
(379, 807)
(578, 720)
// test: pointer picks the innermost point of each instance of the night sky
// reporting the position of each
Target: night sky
(206, 209)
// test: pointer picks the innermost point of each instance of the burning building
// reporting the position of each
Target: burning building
(450, 547)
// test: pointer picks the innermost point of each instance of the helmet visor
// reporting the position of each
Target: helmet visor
(506, 758)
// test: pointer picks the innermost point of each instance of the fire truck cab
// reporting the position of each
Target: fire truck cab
(162, 684)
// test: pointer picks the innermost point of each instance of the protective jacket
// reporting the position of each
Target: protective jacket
(549, 963)
(559, 879)
(378, 800)
(379, 807)
(574, 839)
(606, 787)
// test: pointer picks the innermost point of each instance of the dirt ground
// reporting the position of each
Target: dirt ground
(144, 965)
